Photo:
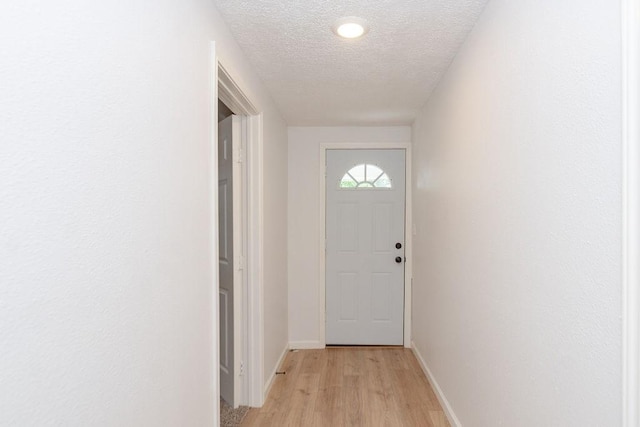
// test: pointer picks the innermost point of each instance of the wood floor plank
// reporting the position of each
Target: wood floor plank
(313, 362)
(301, 405)
(439, 419)
(353, 361)
(332, 375)
(379, 393)
(354, 406)
(358, 386)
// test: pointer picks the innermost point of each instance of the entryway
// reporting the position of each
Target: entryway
(365, 247)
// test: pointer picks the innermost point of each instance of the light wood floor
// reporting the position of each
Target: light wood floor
(350, 387)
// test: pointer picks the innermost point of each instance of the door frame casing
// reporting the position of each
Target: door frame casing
(223, 87)
(252, 305)
(408, 275)
(630, 18)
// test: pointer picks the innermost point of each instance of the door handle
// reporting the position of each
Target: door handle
(398, 259)
(398, 245)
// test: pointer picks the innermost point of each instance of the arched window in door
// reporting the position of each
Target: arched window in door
(365, 176)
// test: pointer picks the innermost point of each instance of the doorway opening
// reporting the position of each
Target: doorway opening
(243, 343)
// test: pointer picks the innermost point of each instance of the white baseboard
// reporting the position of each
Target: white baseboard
(448, 410)
(306, 345)
(272, 376)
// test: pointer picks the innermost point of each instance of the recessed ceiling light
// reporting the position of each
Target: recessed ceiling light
(350, 27)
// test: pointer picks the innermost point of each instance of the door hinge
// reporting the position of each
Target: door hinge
(240, 262)
(241, 368)
(238, 155)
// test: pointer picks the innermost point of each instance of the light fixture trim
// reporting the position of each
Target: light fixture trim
(350, 27)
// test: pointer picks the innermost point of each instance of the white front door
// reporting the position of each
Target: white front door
(230, 246)
(365, 216)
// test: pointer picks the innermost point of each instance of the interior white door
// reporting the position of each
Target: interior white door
(365, 216)
(230, 288)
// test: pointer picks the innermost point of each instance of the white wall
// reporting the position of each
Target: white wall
(517, 206)
(304, 219)
(105, 280)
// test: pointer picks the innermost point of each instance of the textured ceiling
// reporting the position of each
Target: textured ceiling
(319, 79)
